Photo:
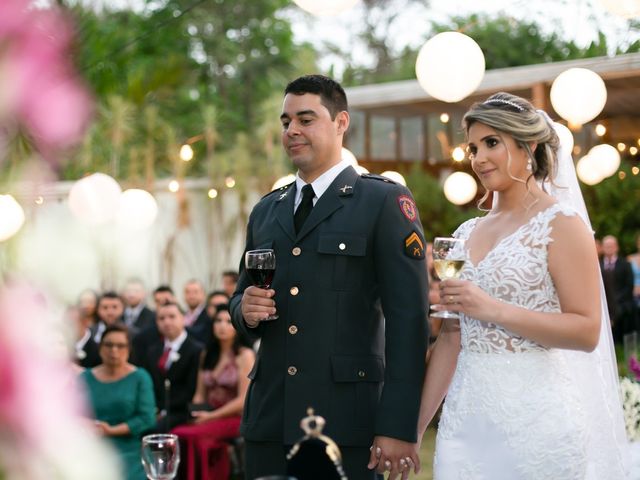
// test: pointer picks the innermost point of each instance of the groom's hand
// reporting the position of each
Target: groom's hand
(394, 455)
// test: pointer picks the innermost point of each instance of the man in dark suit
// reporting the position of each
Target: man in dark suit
(86, 350)
(199, 324)
(353, 250)
(617, 277)
(137, 316)
(173, 364)
(109, 311)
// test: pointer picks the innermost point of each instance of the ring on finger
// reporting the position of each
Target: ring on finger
(387, 465)
(403, 463)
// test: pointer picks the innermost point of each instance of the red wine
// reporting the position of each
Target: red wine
(261, 277)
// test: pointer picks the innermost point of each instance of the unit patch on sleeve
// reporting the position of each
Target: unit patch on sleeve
(414, 246)
(408, 207)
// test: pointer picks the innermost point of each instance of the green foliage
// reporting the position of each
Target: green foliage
(613, 208)
(439, 217)
(204, 67)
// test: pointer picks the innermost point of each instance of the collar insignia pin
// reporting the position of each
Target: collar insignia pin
(345, 188)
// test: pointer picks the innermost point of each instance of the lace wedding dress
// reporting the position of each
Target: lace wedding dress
(512, 411)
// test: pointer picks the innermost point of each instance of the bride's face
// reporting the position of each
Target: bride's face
(489, 151)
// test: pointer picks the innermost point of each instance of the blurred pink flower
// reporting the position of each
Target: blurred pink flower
(40, 89)
(634, 366)
(43, 426)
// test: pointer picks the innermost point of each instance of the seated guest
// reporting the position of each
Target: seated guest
(214, 300)
(150, 334)
(163, 294)
(110, 309)
(173, 365)
(196, 319)
(229, 282)
(88, 305)
(137, 316)
(122, 399)
(222, 385)
(86, 353)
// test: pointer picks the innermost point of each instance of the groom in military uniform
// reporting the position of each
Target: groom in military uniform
(350, 291)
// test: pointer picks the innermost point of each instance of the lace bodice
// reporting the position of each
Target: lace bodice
(515, 271)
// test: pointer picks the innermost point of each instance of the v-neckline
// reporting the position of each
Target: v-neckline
(503, 239)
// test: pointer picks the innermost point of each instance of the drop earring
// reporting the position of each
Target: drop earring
(529, 165)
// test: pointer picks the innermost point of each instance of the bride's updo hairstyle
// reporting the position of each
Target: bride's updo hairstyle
(516, 117)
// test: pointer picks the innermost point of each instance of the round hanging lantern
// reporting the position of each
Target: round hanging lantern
(138, 209)
(460, 188)
(578, 95)
(94, 200)
(12, 216)
(282, 181)
(605, 158)
(349, 156)
(395, 176)
(587, 171)
(622, 8)
(565, 135)
(325, 8)
(361, 170)
(450, 66)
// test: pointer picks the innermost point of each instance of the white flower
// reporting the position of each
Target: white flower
(174, 356)
(630, 392)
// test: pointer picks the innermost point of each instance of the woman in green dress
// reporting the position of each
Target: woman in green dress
(122, 399)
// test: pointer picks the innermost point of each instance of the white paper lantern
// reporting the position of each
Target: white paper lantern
(587, 171)
(395, 176)
(622, 8)
(450, 66)
(361, 170)
(606, 159)
(11, 217)
(460, 188)
(94, 200)
(578, 95)
(137, 210)
(322, 8)
(349, 156)
(282, 181)
(565, 135)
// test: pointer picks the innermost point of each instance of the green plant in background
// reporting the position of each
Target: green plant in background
(439, 216)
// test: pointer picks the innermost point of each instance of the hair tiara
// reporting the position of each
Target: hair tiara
(506, 102)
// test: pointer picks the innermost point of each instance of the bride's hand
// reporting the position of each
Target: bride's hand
(466, 297)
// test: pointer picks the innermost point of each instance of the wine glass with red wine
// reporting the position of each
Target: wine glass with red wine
(261, 267)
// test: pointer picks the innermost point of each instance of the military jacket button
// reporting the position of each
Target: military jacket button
(294, 291)
(293, 329)
(361, 374)
(296, 251)
(342, 246)
(292, 371)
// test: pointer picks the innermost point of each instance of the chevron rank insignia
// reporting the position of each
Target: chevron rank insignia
(408, 207)
(414, 246)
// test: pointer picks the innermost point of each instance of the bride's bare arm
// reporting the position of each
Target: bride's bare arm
(576, 276)
(440, 368)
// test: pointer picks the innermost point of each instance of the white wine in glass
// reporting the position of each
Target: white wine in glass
(160, 456)
(449, 256)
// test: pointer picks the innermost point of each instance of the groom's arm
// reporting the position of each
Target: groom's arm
(402, 277)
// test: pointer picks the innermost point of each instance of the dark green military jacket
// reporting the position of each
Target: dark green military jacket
(360, 253)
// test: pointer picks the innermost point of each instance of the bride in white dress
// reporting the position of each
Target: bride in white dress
(528, 372)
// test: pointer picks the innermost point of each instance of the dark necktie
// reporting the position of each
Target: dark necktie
(162, 362)
(305, 207)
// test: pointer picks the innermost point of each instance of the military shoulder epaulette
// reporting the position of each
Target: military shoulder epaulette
(279, 189)
(377, 177)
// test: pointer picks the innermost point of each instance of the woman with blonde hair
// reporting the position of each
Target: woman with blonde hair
(528, 371)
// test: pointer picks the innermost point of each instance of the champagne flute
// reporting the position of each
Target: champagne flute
(261, 267)
(449, 257)
(160, 456)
